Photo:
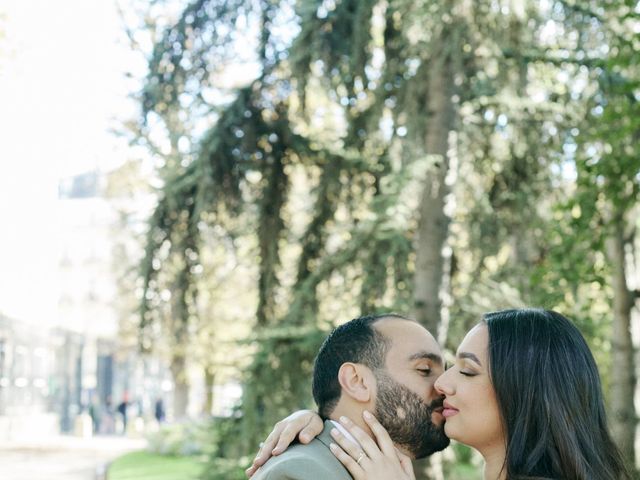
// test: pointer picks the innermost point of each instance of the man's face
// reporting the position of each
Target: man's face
(407, 404)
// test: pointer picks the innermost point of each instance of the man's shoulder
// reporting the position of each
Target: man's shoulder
(304, 462)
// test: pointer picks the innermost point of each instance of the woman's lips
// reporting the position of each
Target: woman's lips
(449, 411)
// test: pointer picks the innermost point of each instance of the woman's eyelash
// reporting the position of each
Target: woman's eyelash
(467, 374)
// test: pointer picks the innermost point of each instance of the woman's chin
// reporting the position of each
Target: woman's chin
(452, 432)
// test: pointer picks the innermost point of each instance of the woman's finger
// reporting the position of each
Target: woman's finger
(349, 463)
(313, 429)
(293, 425)
(265, 450)
(366, 442)
(382, 436)
(405, 463)
(349, 446)
(288, 435)
(258, 460)
(250, 471)
(362, 466)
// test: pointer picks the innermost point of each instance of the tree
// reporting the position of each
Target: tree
(604, 208)
(383, 155)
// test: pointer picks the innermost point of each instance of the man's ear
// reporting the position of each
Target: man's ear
(357, 381)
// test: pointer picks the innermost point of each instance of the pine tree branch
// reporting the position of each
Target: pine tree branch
(544, 57)
(581, 9)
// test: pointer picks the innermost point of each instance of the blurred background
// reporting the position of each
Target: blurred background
(194, 193)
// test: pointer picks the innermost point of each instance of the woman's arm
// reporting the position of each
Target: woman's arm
(304, 424)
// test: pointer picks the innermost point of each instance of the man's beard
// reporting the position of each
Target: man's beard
(407, 418)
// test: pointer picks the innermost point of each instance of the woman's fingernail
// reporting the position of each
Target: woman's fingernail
(335, 433)
(367, 415)
(344, 420)
(333, 446)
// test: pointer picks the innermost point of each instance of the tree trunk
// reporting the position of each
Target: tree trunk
(621, 404)
(433, 223)
(209, 381)
(269, 231)
(181, 386)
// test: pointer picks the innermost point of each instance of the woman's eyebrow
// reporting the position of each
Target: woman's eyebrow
(470, 356)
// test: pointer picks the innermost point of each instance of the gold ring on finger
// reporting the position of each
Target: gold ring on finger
(360, 457)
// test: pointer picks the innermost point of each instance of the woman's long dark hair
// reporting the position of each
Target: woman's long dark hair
(549, 393)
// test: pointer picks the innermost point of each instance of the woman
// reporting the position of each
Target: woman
(525, 392)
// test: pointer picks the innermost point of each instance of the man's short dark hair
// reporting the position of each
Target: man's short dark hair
(356, 342)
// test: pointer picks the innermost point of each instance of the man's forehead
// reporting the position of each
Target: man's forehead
(409, 339)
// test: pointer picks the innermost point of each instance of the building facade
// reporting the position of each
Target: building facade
(54, 371)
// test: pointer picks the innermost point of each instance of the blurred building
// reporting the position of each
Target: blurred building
(87, 296)
(91, 305)
(53, 370)
(27, 378)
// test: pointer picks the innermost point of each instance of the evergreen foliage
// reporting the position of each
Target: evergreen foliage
(364, 118)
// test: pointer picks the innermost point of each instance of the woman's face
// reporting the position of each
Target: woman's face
(471, 410)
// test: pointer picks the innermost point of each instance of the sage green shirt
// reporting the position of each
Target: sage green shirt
(306, 462)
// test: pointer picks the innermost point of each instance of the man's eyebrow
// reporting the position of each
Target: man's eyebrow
(427, 355)
(470, 356)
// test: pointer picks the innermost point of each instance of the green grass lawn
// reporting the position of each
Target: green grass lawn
(151, 466)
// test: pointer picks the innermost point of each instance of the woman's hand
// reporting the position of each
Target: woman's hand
(303, 423)
(370, 461)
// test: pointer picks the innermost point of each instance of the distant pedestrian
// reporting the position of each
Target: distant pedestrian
(108, 422)
(95, 412)
(122, 410)
(159, 412)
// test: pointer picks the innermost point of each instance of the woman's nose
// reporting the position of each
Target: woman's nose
(443, 386)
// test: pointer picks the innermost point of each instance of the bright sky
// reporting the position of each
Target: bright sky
(62, 87)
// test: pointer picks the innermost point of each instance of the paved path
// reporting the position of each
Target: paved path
(62, 457)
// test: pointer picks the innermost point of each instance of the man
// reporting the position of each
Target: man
(122, 410)
(385, 364)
